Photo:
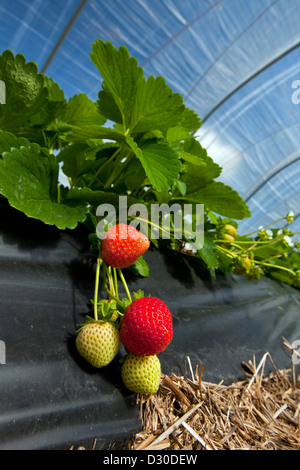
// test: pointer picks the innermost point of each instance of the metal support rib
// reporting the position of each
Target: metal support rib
(249, 80)
(63, 35)
(276, 172)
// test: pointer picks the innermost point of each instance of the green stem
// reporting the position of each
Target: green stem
(156, 226)
(276, 266)
(225, 251)
(124, 284)
(263, 228)
(58, 194)
(99, 262)
(108, 291)
(102, 167)
(116, 282)
(115, 173)
(111, 282)
(244, 241)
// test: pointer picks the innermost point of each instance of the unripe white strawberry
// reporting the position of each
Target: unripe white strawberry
(98, 342)
(141, 374)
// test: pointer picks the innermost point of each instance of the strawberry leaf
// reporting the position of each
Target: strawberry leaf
(140, 267)
(28, 179)
(8, 140)
(120, 73)
(96, 198)
(108, 107)
(195, 175)
(53, 108)
(190, 120)
(80, 134)
(160, 161)
(81, 111)
(222, 199)
(155, 106)
(208, 253)
(31, 98)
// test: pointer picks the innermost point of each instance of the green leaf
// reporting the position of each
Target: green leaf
(120, 73)
(140, 267)
(8, 140)
(190, 120)
(95, 197)
(80, 134)
(107, 105)
(192, 159)
(181, 187)
(28, 179)
(75, 161)
(222, 199)
(26, 94)
(160, 161)
(195, 176)
(81, 111)
(134, 175)
(208, 253)
(53, 108)
(177, 134)
(155, 106)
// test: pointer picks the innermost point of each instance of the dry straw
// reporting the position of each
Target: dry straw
(258, 413)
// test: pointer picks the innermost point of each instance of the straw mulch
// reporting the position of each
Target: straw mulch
(258, 413)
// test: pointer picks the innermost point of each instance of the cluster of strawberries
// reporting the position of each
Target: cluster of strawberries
(145, 328)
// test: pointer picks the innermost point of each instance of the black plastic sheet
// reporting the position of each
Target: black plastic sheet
(50, 398)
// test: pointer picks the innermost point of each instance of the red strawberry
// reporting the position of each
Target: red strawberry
(123, 245)
(146, 327)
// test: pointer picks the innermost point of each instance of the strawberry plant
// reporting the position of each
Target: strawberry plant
(143, 324)
(61, 159)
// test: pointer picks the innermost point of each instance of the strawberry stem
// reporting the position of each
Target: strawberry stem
(106, 277)
(124, 284)
(99, 262)
(111, 283)
(116, 282)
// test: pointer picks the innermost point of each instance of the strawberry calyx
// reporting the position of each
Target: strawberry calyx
(242, 265)
(89, 320)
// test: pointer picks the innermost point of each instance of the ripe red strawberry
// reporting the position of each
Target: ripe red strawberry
(146, 327)
(123, 245)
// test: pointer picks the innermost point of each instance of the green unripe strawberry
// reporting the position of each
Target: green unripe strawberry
(230, 230)
(242, 266)
(227, 232)
(228, 237)
(141, 374)
(98, 342)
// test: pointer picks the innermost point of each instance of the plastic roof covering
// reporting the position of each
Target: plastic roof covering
(234, 62)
